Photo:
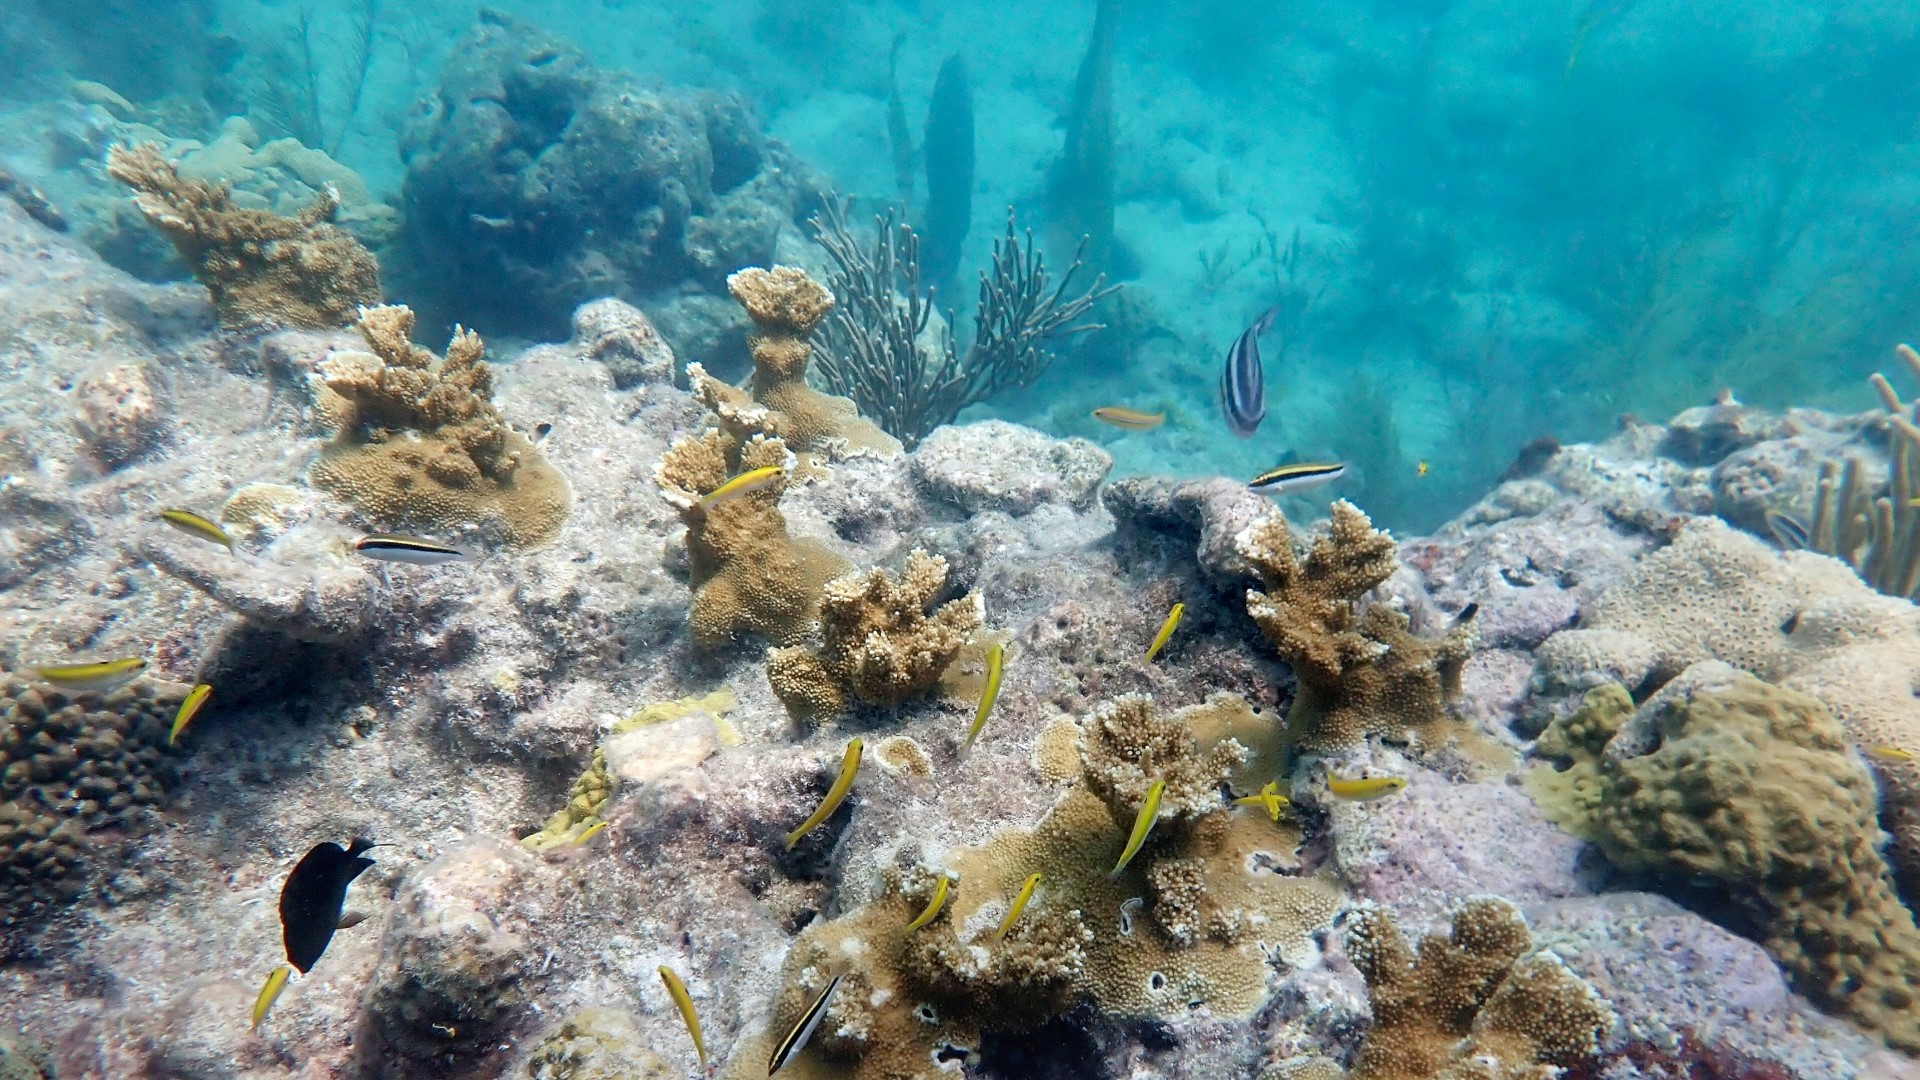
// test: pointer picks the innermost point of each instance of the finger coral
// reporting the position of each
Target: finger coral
(1750, 786)
(883, 640)
(261, 269)
(1478, 1004)
(1360, 671)
(420, 444)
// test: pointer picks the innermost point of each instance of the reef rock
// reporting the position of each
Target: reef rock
(994, 465)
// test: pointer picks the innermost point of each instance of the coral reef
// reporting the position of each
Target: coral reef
(1152, 511)
(421, 444)
(324, 604)
(595, 1044)
(262, 270)
(1361, 672)
(120, 414)
(23, 1059)
(950, 466)
(1724, 778)
(1478, 1004)
(883, 640)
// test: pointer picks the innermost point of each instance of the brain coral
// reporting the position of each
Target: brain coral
(1723, 777)
(420, 444)
(1360, 671)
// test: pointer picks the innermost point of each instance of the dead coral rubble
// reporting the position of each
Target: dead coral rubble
(262, 270)
(1361, 672)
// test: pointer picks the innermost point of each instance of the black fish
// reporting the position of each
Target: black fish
(1243, 388)
(311, 900)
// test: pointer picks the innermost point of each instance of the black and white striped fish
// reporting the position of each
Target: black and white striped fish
(1243, 386)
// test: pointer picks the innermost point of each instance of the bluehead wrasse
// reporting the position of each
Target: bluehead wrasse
(103, 676)
(1020, 900)
(1269, 797)
(996, 664)
(677, 990)
(1243, 386)
(593, 830)
(269, 994)
(1131, 419)
(388, 547)
(1791, 534)
(1890, 753)
(849, 767)
(189, 708)
(1127, 907)
(744, 484)
(1166, 631)
(1142, 825)
(194, 525)
(933, 906)
(1364, 788)
(802, 1029)
(1297, 477)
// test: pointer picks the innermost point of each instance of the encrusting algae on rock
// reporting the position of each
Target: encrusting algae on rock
(420, 445)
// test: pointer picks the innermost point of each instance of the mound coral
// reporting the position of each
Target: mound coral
(883, 640)
(912, 1004)
(1726, 778)
(1478, 1004)
(1361, 672)
(420, 444)
(261, 269)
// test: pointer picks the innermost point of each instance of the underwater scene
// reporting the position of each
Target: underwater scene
(1035, 540)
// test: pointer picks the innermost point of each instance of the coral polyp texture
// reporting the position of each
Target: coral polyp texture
(884, 640)
(262, 270)
(1477, 1004)
(1361, 671)
(420, 444)
(1726, 779)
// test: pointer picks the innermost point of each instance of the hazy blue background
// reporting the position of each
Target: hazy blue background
(1515, 218)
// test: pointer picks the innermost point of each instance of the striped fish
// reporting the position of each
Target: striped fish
(1243, 386)
(407, 549)
(1131, 419)
(1297, 477)
(802, 1030)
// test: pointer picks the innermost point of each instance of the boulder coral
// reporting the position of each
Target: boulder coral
(261, 269)
(420, 444)
(1724, 778)
(1361, 671)
(884, 640)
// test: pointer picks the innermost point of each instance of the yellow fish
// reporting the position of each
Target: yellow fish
(837, 794)
(744, 484)
(194, 525)
(1364, 788)
(593, 830)
(189, 709)
(677, 990)
(1890, 753)
(1166, 631)
(104, 676)
(270, 993)
(1131, 419)
(1142, 825)
(933, 906)
(1269, 797)
(996, 660)
(1421, 468)
(1019, 905)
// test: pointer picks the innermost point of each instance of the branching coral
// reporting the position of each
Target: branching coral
(884, 641)
(1360, 671)
(1475, 1005)
(1726, 778)
(263, 270)
(420, 444)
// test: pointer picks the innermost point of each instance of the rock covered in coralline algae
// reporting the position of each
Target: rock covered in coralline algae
(23, 1059)
(994, 465)
(120, 413)
(1207, 513)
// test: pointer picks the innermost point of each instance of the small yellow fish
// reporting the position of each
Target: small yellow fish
(188, 710)
(194, 525)
(744, 484)
(593, 830)
(1421, 468)
(1142, 825)
(933, 906)
(270, 993)
(104, 676)
(1166, 631)
(1890, 753)
(1269, 797)
(1019, 905)
(1364, 788)
(677, 990)
(996, 661)
(1131, 419)
(849, 767)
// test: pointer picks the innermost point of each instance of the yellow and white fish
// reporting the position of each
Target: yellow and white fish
(1364, 788)
(1166, 632)
(1142, 825)
(837, 794)
(189, 709)
(744, 484)
(996, 664)
(103, 676)
(196, 526)
(1130, 419)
